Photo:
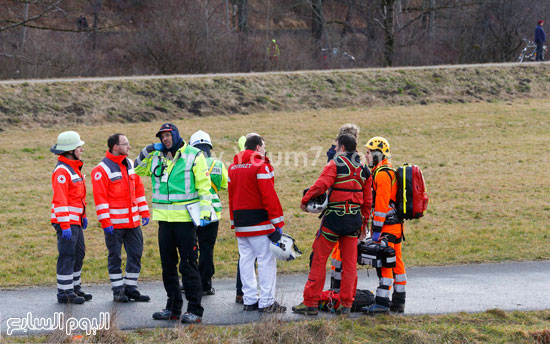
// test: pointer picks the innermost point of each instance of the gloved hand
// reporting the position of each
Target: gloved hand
(276, 236)
(144, 221)
(66, 234)
(84, 222)
(158, 146)
(109, 230)
(204, 223)
(376, 236)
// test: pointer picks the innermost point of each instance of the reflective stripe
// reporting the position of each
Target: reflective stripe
(401, 278)
(378, 213)
(390, 260)
(399, 288)
(63, 219)
(143, 208)
(145, 153)
(140, 199)
(156, 184)
(112, 175)
(175, 197)
(254, 228)
(117, 283)
(232, 223)
(337, 263)
(130, 282)
(74, 217)
(119, 221)
(60, 209)
(76, 210)
(386, 281)
(265, 175)
(103, 216)
(134, 209)
(385, 293)
(118, 211)
(115, 276)
(205, 208)
(65, 286)
(77, 274)
(102, 206)
(135, 218)
(132, 274)
(172, 206)
(64, 277)
(76, 282)
(53, 216)
(74, 177)
(377, 223)
(277, 220)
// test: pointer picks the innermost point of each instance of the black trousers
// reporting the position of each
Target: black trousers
(132, 239)
(174, 238)
(69, 261)
(207, 239)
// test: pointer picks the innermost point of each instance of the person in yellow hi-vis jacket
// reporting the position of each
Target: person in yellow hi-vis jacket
(207, 235)
(180, 180)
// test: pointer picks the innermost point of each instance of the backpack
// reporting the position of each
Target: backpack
(412, 198)
(330, 300)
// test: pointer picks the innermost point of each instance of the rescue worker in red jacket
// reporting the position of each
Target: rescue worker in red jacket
(257, 217)
(344, 219)
(386, 226)
(120, 202)
(68, 217)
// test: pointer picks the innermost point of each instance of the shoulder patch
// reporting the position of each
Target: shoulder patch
(97, 175)
(61, 179)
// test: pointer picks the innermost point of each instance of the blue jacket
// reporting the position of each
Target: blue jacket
(540, 36)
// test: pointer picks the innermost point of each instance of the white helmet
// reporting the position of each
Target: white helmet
(66, 142)
(316, 204)
(285, 249)
(200, 137)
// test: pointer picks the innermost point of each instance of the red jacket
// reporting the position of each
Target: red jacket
(359, 181)
(69, 193)
(253, 203)
(118, 193)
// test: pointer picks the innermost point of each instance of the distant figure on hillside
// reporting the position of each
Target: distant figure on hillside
(273, 52)
(540, 38)
(81, 23)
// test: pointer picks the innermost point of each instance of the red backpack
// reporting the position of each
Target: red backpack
(412, 198)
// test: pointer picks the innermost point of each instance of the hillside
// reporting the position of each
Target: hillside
(29, 105)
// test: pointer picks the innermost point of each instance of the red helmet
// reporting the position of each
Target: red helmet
(540, 21)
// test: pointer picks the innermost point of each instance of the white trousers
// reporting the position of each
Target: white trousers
(250, 249)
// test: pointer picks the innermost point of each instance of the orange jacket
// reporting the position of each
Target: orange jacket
(118, 193)
(385, 191)
(69, 193)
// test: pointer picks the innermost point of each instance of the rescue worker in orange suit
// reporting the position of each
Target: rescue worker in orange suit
(68, 217)
(120, 203)
(336, 273)
(349, 205)
(386, 226)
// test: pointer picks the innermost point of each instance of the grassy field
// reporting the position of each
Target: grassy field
(484, 163)
(493, 326)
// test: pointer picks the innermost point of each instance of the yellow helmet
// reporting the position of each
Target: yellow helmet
(381, 144)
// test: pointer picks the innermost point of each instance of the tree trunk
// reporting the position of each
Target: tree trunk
(317, 19)
(25, 18)
(242, 14)
(387, 10)
(97, 9)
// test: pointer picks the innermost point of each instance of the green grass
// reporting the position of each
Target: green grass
(493, 326)
(484, 163)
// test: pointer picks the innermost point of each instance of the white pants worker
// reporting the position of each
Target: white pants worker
(250, 249)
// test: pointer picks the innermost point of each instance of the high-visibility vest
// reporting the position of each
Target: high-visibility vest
(175, 183)
(218, 181)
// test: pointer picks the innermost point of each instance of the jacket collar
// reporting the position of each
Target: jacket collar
(75, 164)
(115, 158)
(381, 163)
(248, 155)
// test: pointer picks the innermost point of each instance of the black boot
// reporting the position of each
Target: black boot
(397, 304)
(118, 296)
(136, 295)
(78, 291)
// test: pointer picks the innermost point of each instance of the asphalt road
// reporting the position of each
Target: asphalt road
(430, 290)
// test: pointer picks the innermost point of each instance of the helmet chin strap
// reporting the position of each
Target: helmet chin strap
(70, 155)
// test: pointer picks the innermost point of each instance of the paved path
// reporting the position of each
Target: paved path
(430, 290)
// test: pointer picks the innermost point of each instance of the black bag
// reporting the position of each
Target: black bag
(363, 298)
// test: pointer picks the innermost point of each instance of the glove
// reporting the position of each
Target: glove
(84, 222)
(376, 236)
(144, 221)
(158, 146)
(109, 230)
(204, 223)
(276, 236)
(66, 234)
